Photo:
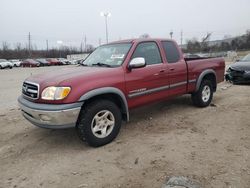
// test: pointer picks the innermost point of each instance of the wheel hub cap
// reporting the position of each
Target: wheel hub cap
(206, 92)
(103, 124)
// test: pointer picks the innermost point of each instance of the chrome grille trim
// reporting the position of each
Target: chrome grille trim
(30, 89)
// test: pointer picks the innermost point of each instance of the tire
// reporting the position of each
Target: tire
(92, 122)
(204, 95)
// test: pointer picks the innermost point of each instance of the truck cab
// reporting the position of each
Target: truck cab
(97, 95)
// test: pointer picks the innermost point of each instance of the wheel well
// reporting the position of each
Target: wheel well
(211, 77)
(111, 97)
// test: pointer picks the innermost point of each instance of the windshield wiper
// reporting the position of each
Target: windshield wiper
(101, 64)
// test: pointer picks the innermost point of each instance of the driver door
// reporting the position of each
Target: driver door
(145, 85)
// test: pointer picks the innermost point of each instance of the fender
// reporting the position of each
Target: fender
(204, 73)
(107, 90)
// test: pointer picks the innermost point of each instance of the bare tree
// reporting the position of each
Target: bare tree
(5, 46)
(204, 42)
(18, 46)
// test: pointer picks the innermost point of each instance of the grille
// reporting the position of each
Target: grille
(30, 90)
(236, 74)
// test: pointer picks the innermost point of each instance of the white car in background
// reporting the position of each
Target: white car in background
(64, 61)
(15, 62)
(5, 64)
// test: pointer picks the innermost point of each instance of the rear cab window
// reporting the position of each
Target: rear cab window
(171, 51)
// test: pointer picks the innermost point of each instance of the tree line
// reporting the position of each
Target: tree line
(20, 52)
(235, 44)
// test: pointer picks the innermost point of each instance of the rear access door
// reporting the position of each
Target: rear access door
(177, 68)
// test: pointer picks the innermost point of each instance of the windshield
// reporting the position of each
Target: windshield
(111, 55)
(246, 58)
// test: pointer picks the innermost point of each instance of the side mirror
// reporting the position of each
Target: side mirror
(137, 62)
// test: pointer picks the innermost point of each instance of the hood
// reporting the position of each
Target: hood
(67, 74)
(241, 66)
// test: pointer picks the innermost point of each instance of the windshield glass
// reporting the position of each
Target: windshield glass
(246, 58)
(111, 55)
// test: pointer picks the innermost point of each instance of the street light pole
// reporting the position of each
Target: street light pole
(171, 34)
(106, 15)
(106, 24)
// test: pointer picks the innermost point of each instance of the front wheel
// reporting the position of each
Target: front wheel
(99, 122)
(204, 95)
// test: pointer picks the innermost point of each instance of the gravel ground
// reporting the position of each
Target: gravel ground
(210, 145)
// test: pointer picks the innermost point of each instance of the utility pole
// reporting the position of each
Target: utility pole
(85, 43)
(47, 44)
(181, 37)
(29, 42)
(100, 41)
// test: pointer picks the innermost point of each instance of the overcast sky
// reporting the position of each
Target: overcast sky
(70, 20)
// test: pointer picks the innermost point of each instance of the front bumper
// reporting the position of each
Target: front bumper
(52, 116)
(237, 76)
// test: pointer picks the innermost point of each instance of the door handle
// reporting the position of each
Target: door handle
(163, 70)
(172, 69)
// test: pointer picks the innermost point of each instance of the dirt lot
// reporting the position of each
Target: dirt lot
(210, 145)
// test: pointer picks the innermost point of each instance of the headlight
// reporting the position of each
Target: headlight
(55, 93)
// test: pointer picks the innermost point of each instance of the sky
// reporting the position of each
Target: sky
(70, 20)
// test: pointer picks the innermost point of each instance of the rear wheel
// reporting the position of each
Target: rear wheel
(204, 95)
(99, 122)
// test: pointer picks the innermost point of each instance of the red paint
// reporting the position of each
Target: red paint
(53, 61)
(29, 63)
(83, 79)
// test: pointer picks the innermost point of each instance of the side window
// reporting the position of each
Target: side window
(148, 50)
(171, 51)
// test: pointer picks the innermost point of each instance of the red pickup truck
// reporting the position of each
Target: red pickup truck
(96, 96)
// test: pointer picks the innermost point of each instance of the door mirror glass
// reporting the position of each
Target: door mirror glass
(137, 62)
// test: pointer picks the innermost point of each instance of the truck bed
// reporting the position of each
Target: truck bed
(198, 65)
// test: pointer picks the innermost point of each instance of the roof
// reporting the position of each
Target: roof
(140, 40)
